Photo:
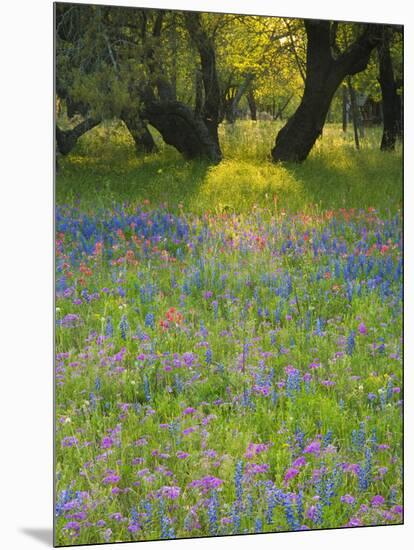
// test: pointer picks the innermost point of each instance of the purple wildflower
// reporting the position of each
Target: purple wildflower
(111, 479)
(354, 522)
(107, 442)
(255, 449)
(169, 492)
(182, 454)
(206, 483)
(313, 448)
(362, 329)
(72, 526)
(311, 512)
(348, 499)
(351, 468)
(301, 461)
(69, 441)
(252, 469)
(377, 500)
(290, 474)
(70, 320)
(133, 527)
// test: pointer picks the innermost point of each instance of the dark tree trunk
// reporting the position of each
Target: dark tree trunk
(391, 104)
(296, 139)
(142, 137)
(230, 113)
(344, 108)
(182, 129)
(324, 74)
(400, 118)
(74, 108)
(198, 107)
(252, 105)
(354, 109)
(212, 95)
(67, 139)
(400, 108)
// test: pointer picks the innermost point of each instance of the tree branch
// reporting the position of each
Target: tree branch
(356, 57)
(66, 139)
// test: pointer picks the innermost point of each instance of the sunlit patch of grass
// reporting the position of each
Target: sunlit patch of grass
(249, 140)
(241, 185)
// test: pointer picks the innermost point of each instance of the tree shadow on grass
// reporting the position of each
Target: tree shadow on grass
(351, 180)
(163, 178)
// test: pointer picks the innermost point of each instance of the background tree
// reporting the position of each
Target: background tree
(68, 24)
(391, 101)
(256, 66)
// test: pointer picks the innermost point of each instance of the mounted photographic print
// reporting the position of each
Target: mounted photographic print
(228, 289)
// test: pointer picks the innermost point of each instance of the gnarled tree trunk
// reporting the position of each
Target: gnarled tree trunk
(344, 108)
(67, 139)
(198, 106)
(324, 74)
(182, 129)
(212, 96)
(391, 105)
(144, 142)
(192, 133)
(354, 110)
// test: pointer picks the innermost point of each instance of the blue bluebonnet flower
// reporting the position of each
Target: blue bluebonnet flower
(359, 437)
(213, 510)
(290, 513)
(300, 509)
(365, 471)
(149, 320)
(123, 327)
(327, 438)
(238, 480)
(109, 331)
(350, 343)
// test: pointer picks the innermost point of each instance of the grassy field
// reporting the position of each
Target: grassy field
(228, 339)
(105, 168)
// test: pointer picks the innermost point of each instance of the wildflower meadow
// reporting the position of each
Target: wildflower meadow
(222, 372)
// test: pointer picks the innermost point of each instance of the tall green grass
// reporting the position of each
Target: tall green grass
(104, 168)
